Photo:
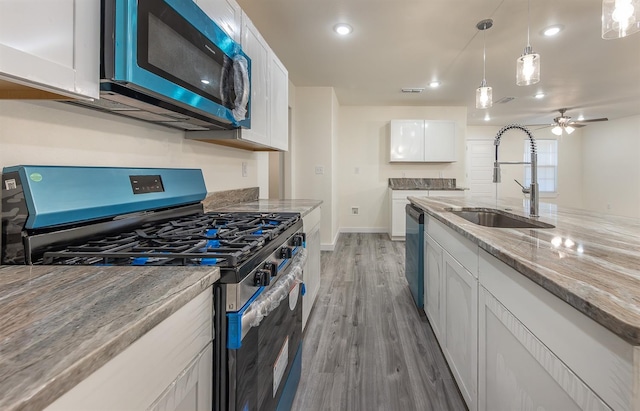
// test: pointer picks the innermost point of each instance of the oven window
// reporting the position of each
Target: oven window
(172, 48)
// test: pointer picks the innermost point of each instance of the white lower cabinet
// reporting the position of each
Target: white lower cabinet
(518, 372)
(512, 345)
(168, 368)
(311, 273)
(460, 326)
(432, 285)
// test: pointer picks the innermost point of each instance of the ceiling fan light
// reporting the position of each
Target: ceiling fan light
(557, 130)
(620, 18)
(569, 129)
(528, 68)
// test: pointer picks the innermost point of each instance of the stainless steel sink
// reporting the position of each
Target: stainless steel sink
(491, 217)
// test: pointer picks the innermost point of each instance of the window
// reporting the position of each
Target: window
(547, 165)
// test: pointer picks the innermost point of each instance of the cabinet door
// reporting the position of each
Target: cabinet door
(279, 104)
(433, 255)
(258, 51)
(50, 45)
(399, 219)
(227, 14)
(518, 372)
(460, 327)
(439, 141)
(407, 140)
(191, 391)
(311, 274)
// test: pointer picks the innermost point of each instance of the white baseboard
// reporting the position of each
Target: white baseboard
(369, 230)
(331, 246)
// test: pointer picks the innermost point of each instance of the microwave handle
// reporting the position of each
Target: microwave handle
(241, 82)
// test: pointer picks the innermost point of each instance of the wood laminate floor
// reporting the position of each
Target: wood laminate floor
(366, 346)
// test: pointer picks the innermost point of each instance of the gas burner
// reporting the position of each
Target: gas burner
(221, 239)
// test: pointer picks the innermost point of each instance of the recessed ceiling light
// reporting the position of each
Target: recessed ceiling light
(342, 29)
(204, 81)
(552, 30)
(539, 95)
(487, 117)
(434, 84)
(580, 117)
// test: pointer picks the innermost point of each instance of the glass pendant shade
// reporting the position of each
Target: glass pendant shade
(484, 96)
(557, 130)
(620, 18)
(528, 68)
(569, 129)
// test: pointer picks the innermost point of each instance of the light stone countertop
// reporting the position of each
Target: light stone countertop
(597, 271)
(59, 324)
(431, 184)
(303, 207)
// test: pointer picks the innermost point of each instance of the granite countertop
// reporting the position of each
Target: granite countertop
(424, 184)
(594, 265)
(303, 207)
(59, 324)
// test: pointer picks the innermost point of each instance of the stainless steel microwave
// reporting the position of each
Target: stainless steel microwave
(167, 62)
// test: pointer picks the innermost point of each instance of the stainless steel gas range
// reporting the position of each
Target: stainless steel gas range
(146, 216)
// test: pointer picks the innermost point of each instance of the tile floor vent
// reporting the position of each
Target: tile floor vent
(505, 100)
(413, 90)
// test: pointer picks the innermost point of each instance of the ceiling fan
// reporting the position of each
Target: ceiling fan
(564, 123)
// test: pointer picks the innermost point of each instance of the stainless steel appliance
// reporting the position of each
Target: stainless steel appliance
(166, 62)
(143, 216)
(414, 253)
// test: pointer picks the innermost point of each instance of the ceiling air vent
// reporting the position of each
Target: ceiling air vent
(505, 100)
(413, 90)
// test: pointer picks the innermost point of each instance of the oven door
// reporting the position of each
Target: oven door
(264, 370)
(173, 50)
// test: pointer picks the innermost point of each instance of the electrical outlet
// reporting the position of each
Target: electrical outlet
(244, 169)
(355, 210)
(319, 169)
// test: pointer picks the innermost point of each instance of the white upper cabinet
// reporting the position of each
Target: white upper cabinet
(422, 141)
(279, 104)
(227, 14)
(407, 140)
(258, 51)
(49, 49)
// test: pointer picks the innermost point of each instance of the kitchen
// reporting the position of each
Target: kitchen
(337, 137)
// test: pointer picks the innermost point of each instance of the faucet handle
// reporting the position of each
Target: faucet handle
(525, 190)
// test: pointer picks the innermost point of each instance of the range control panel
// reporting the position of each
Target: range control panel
(146, 184)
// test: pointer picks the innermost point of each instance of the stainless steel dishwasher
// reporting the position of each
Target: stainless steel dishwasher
(414, 255)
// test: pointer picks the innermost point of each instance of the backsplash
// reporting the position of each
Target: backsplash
(422, 183)
(224, 198)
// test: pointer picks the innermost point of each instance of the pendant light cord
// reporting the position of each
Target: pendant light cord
(528, 22)
(484, 55)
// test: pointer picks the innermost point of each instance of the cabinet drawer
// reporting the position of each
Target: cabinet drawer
(463, 250)
(600, 358)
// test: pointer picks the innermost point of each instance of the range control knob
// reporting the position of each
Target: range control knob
(299, 239)
(271, 267)
(285, 252)
(262, 278)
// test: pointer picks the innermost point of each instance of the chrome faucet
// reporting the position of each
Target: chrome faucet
(532, 190)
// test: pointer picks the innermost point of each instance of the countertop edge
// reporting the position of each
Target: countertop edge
(623, 329)
(303, 206)
(76, 373)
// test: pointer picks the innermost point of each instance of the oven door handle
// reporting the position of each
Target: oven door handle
(255, 311)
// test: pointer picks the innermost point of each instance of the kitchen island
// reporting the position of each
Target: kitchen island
(549, 315)
(62, 325)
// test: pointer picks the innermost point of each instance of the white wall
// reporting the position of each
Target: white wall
(312, 146)
(52, 133)
(364, 145)
(611, 166)
(512, 149)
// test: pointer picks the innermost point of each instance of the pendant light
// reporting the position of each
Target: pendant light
(620, 18)
(528, 65)
(484, 94)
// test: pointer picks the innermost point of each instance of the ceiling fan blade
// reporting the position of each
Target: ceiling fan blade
(577, 125)
(591, 120)
(539, 125)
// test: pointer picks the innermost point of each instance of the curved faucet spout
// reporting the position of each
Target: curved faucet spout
(533, 188)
